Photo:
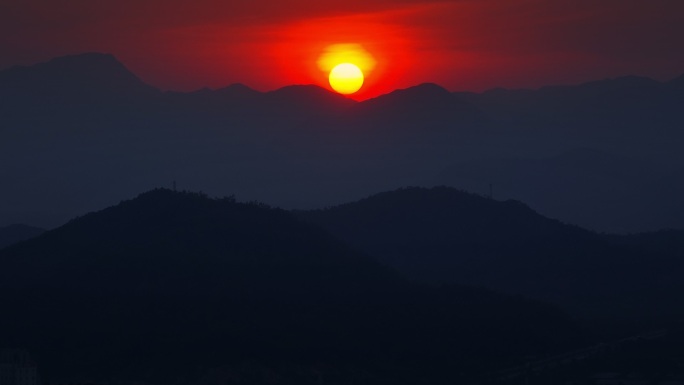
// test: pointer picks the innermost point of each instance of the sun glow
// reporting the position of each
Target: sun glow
(346, 66)
(346, 53)
(346, 78)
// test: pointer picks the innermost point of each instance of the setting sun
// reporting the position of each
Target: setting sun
(346, 66)
(346, 78)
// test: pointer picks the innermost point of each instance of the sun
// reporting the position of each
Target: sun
(346, 78)
(347, 66)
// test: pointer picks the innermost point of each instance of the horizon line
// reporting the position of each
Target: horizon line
(350, 96)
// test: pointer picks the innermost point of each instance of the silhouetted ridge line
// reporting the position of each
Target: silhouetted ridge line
(426, 93)
(16, 233)
(442, 235)
(308, 93)
(237, 89)
(423, 108)
(87, 73)
(303, 146)
(164, 227)
(175, 285)
(623, 82)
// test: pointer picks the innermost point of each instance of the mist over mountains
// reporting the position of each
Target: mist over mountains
(80, 132)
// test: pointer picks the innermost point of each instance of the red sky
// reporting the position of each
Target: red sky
(266, 44)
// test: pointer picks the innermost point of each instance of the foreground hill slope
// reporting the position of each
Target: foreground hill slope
(445, 235)
(179, 288)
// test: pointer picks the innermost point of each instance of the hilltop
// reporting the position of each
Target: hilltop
(443, 235)
(171, 287)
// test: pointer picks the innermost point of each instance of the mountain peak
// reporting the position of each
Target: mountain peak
(423, 90)
(231, 282)
(441, 198)
(84, 75)
(425, 94)
(237, 87)
(425, 106)
(179, 230)
(430, 87)
(237, 91)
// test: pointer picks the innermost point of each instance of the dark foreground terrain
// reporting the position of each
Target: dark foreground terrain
(178, 288)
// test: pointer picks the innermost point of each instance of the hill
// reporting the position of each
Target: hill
(625, 194)
(624, 105)
(71, 85)
(179, 288)
(443, 235)
(12, 234)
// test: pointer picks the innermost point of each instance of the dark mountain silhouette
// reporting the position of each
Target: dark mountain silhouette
(179, 288)
(427, 95)
(285, 105)
(90, 71)
(295, 99)
(16, 233)
(71, 82)
(625, 194)
(629, 106)
(237, 91)
(248, 233)
(88, 131)
(445, 235)
(419, 109)
(233, 97)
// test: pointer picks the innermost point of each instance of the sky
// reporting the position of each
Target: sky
(463, 45)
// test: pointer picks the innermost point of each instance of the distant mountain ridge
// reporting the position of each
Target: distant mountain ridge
(564, 185)
(75, 78)
(93, 69)
(90, 122)
(614, 103)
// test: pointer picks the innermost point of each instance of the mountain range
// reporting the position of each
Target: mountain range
(446, 236)
(78, 132)
(625, 194)
(175, 287)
